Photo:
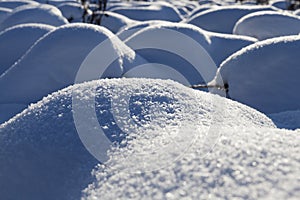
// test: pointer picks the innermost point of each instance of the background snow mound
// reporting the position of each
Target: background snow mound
(114, 21)
(288, 119)
(153, 11)
(267, 24)
(72, 11)
(4, 12)
(42, 13)
(15, 41)
(210, 41)
(52, 63)
(246, 163)
(265, 75)
(12, 4)
(42, 154)
(223, 19)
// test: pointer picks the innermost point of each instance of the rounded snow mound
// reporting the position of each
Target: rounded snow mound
(53, 62)
(287, 119)
(114, 21)
(12, 4)
(153, 11)
(42, 13)
(187, 49)
(72, 11)
(267, 24)
(15, 41)
(42, 153)
(281, 4)
(4, 12)
(265, 75)
(222, 19)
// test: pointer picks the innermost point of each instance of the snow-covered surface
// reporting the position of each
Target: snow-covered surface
(268, 24)
(52, 63)
(281, 4)
(4, 12)
(156, 35)
(12, 4)
(15, 41)
(114, 21)
(287, 119)
(42, 153)
(265, 75)
(71, 11)
(44, 14)
(154, 11)
(222, 19)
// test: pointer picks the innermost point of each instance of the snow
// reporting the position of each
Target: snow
(281, 4)
(223, 19)
(4, 12)
(15, 41)
(44, 14)
(267, 24)
(114, 21)
(41, 144)
(71, 11)
(287, 119)
(51, 63)
(154, 11)
(160, 43)
(12, 4)
(265, 75)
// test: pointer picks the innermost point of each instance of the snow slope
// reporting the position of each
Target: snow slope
(52, 63)
(42, 155)
(71, 11)
(170, 44)
(4, 12)
(12, 4)
(154, 11)
(222, 19)
(267, 24)
(265, 75)
(15, 41)
(42, 13)
(287, 119)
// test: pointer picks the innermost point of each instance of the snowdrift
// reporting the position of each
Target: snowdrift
(52, 63)
(183, 48)
(268, 24)
(15, 41)
(153, 11)
(287, 119)
(265, 75)
(223, 19)
(71, 11)
(41, 152)
(42, 13)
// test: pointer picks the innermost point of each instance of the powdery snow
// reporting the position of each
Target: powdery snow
(268, 24)
(42, 154)
(265, 75)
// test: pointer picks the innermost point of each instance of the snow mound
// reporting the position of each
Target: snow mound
(71, 11)
(114, 21)
(4, 12)
(246, 163)
(15, 41)
(268, 24)
(223, 19)
(52, 63)
(153, 11)
(265, 75)
(42, 13)
(12, 4)
(281, 4)
(288, 119)
(170, 44)
(41, 151)
(130, 30)
(200, 9)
